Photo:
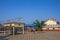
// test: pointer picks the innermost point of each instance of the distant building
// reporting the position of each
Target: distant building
(51, 24)
(15, 24)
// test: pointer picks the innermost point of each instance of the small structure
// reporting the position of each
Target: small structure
(32, 27)
(14, 25)
(51, 25)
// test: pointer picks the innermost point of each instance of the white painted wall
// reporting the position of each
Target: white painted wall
(50, 22)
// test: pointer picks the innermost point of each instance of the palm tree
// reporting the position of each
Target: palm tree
(42, 23)
(39, 25)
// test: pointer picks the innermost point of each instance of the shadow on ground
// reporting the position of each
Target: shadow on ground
(4, 37)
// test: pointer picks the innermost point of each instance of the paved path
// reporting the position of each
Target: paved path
(37, 36)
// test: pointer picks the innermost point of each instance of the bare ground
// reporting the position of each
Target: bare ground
(36, 36)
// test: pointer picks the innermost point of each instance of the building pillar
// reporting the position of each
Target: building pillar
(13, 31)
(23, 30)
(9, 31)
(4, 31)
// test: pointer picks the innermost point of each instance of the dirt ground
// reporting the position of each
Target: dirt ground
(33, 36)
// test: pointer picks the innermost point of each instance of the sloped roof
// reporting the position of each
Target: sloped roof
(51, 19)
(13, 23)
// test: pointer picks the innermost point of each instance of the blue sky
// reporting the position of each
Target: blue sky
(30, 10)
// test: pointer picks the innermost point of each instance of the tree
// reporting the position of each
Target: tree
(39, 25)
(42, 23)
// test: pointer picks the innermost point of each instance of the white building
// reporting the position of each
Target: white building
(51, 24)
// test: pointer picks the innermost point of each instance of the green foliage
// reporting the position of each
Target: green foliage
(42, 23)
(38, 29)
(39, 25)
